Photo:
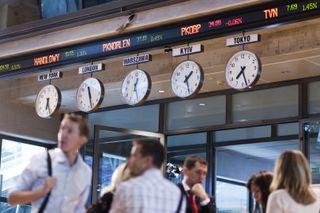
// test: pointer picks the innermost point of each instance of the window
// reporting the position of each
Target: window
(14, 158)
(196, 113)
(272, 103)
(51, 8)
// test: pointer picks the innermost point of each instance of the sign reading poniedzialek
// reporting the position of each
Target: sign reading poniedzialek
(174, 34)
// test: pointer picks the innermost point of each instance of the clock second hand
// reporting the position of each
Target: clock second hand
(89, 93)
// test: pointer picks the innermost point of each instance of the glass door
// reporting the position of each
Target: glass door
(311, 136)
(111, 147)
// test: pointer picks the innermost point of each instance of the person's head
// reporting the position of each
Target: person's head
(146, 154)
(292, 173)
(73, 132)
(195, 170)
(120, 174)
(259, 185)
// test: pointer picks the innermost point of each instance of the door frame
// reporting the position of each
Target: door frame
(96, 148)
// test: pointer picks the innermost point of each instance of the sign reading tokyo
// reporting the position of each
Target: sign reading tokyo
(243, 40)
(91, 68)
(187, 50)
(136, 59)
(49, 76)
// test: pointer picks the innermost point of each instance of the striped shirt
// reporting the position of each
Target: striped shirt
(148, 193)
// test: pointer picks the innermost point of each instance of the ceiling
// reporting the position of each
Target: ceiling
(287, 52)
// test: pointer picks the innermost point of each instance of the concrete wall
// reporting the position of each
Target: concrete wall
(22, 121)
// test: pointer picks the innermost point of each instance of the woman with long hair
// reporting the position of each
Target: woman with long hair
(259, 186)
(291, 186)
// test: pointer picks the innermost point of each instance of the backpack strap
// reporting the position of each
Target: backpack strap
(180, 202)
(46, 199)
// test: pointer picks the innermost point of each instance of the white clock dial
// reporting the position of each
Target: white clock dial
(90, 95)
(187, 79)
(243, 70)
(136, 87)
(48, 101)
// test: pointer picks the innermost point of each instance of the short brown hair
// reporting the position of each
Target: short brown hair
(82, 121)
(190, 162)
(153, 148)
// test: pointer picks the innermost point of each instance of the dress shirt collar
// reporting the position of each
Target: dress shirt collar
(152, 171)
(185, 185)
(63, 159)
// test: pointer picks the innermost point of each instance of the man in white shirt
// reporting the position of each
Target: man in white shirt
(149, 191)
(71, 176)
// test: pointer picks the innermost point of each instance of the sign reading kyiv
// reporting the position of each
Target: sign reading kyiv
(136, 59)
(91, 68)
(243, 40)
(187, 50)
(49, 75)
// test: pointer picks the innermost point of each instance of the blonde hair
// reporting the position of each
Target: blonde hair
(120, 174)
(292, 173)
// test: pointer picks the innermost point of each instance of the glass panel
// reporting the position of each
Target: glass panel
(90, 3)
(139, 118)
(111, 155)
(175, 163)
(288, 129)
(6, 208)
(278, 102)
(14, 158)
(248, 159)
(234, 202)
(51, 8)
(243, 133)
(312, 137)
(314, 97)
(196, 113)
(187, 139)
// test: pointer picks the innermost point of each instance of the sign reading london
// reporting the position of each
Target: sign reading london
(136, 59)
(187, 50)
(49, 76)
(91, 68)
(243, 40)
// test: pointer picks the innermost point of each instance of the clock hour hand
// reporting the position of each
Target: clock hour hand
(89, 93)
(47, 105)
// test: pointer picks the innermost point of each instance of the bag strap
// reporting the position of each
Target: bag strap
(46, 199)
(180, 202)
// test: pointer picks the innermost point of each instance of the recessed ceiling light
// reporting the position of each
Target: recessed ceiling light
(161, 91)
(202, 104)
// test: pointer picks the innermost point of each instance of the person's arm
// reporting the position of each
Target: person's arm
(207, 203)
(24, 197)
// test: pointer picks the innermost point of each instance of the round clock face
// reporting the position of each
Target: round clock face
(243, 70)
(48, 101)
(136, 87)
(90, 95)
(187, 79)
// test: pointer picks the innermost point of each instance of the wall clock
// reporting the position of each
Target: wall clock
(243, 70)
(48, 101)
(136, 87)
(187, 79)
(90, 95)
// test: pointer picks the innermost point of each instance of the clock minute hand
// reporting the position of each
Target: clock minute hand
(47, 105)
(135, 88)
(89, 93)
(187, 77)
(242, 70)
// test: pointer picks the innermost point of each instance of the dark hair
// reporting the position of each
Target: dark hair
(82, 121)
(153, 148)
(191, 161)
(262, 180)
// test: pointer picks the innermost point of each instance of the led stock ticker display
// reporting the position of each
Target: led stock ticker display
(171, 34)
